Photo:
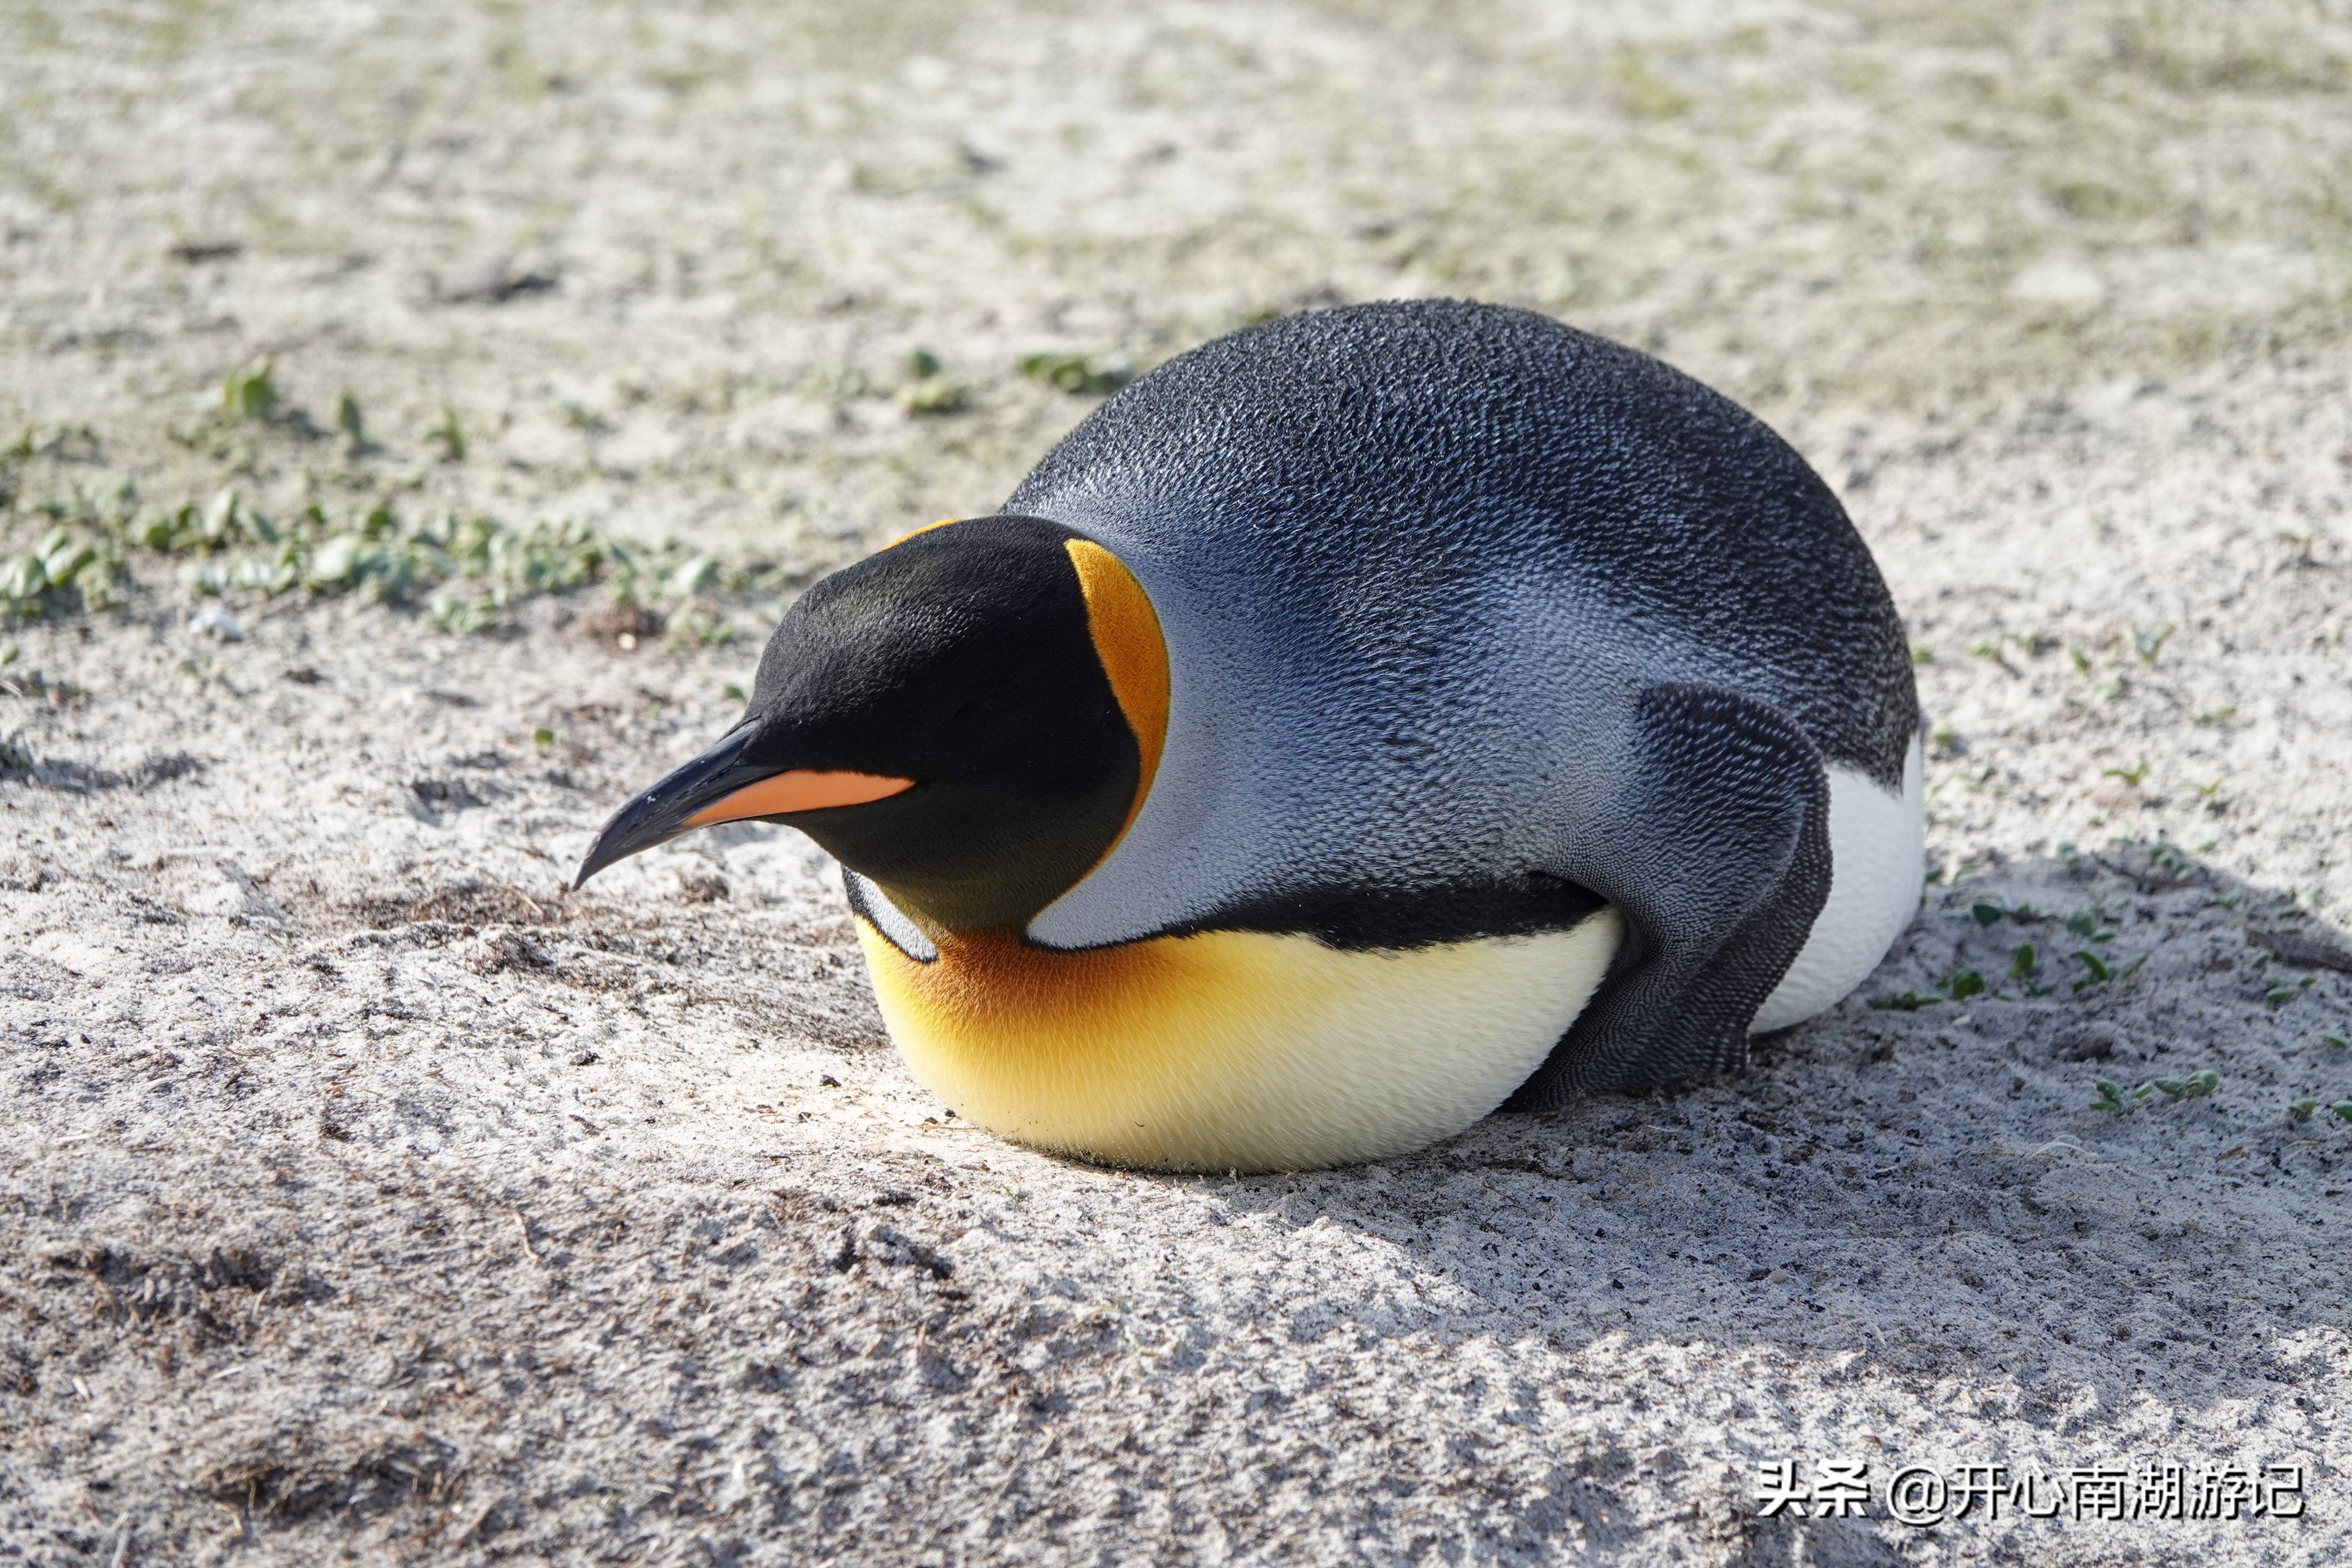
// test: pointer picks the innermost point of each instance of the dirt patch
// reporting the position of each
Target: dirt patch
(367, 1195)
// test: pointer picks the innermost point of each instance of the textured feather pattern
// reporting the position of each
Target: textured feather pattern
(1414, 565)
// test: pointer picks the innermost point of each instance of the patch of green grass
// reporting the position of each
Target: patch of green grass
(1078, 375)
(2115, 1099)
(465, 571)
(61, 563)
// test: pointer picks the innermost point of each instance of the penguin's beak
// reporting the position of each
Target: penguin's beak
(724, 784)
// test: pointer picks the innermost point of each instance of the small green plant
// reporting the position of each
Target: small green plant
(2111, 1097)
(2099, 970)
(929, 389)
(348, 421)
(1082, 375)
(2078, 658)
(2085, 923)
(59, 562)
(249, 393)
(2131, 775)
(2343, 1109)
(2205, 718)
(1922, 654)
(2148, 645)
(1965, 984)
(2332, 1042)
(447, 433)
(2196, 1086)
(2301, 1110)
(1987, 914)
(542, 736)
(1905, 1002)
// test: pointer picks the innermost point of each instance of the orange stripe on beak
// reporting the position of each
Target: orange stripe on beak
(800, 789)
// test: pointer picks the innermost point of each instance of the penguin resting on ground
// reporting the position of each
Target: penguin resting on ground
(1361, 723)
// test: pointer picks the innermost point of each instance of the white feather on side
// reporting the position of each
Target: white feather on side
(1876, 841)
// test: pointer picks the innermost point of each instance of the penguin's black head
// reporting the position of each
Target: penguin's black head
(967, 717)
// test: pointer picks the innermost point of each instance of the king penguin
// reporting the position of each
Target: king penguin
(1363, 722)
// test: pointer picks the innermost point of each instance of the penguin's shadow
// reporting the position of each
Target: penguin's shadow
(1920, 1175)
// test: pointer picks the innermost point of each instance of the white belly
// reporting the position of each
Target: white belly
(1876, 840)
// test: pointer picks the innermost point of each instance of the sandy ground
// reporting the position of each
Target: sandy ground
(363, 1197)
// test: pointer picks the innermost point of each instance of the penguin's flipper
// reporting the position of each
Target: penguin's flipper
(1715, 844)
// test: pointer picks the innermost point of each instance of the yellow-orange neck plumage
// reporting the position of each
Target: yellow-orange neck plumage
(1233, 1049)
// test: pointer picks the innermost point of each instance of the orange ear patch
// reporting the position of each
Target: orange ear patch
(925, 529)
(800, 789)
(1126, 633)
